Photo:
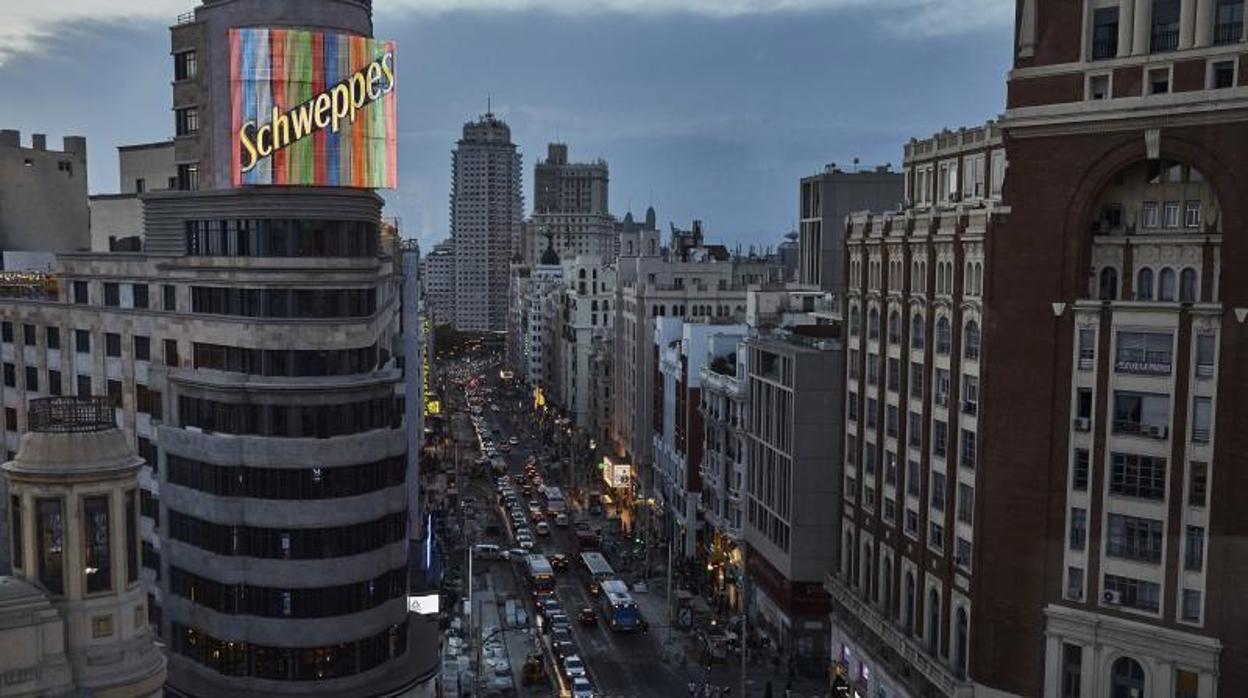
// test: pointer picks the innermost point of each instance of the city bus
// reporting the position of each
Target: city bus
(597, 566)
(541, 574)
(618, 607)
(553, 497)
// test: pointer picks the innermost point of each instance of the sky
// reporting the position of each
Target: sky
(707, 109)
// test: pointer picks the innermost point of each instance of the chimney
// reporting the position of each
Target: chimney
(76, 145)
(10, 138)
(38, 141)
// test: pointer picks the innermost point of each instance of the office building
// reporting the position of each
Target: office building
(75, 616)
(43, 195)
(724, 408)
(913, 463)
(117, 219)
(682, 349)
(825, 200)
(582, 383)
(570, 205)
(437, 276)
(487, 206)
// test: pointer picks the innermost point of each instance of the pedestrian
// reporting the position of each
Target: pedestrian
(692, 687)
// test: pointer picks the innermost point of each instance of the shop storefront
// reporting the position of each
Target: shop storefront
(862, 673)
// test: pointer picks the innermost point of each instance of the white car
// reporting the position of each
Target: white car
(573, 667)
(582, 688)
(514, 441)
(525, 543)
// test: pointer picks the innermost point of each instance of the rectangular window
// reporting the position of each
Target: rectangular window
(82, 341)
(139, 293)
(6, 332)
(1141, 414)
(1194, 557)
(1149, 218)
(962, 552)
(942, 387)
(186, 121)
(132, 537)
(1098, 87)
(1191, 214)
(967, 449)
(1133, 593)
(1133, 475)
(55, 386)
(873, 418)
(940, 438)
(970, 395)
(185, 65)
(112, 294)
(1186, 684)
(873, 369)
(1191, 605)
(114, 392)
(112, 344)
(170, 294)
(171, 353)
(15, 530)
(916, 381)
(81, 294)
(54, 337)
(1206, 351)
(935, 536)
(84, 386)
(1144, 353)
(1078, 528)
(10, 375)
(894, 374)
(966, 503)
(1072, 664)
(997, 172)
(95, 531)
(1165, 29)
(1087, 349)
(912, 478)
(28, 335)
(32, 379)
(1134, 538)
(1074, 583)
(1202, 420)
(912, 522)
(188, 177)
(1228, 25)
(10, 419)
(50, 539)
(1079, 470)
(891, 419)
(142, 348)
(1170, 214)
(937, 493)
(1198, 484)
(914, 430)
(1104, 33)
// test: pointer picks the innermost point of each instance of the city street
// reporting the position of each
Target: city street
(618, 664)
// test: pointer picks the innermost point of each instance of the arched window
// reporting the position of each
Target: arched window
(1187, 285)
(1165, 287)
(933, 621)
(960, 644)
(1109, 284)
(1144, 285)
(909, 610)
(1126, 679)
(971, 341)
(894, 327)
(873, 324)
(943, 339)
(916, 332)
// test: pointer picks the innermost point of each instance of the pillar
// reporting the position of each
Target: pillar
(1143, 18)
(1204, 23)
(1126, 27)
(1187, 23)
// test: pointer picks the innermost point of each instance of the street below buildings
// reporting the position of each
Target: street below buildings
(506, 461)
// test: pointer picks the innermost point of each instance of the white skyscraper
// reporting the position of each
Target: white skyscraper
(487, 206)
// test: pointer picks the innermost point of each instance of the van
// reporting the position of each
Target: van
(487, 551)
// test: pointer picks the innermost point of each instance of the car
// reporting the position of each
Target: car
(486, 550)
(573, 666)
(504, 447)
(560, 619)
(558, 562)
(582, 688)
(593, 589)
(561, 520)
(587, 616)
(563, 648)
(549, 605)
(543, 528)
(534, 507)
(561, 634)
(526, 544)
(514, 441)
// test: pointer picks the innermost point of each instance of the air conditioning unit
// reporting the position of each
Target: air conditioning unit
(1082, 424)
(1111, 596)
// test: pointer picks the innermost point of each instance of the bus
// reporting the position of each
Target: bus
(598, 567)
(618, 607)
(555, 504)
(541, 574)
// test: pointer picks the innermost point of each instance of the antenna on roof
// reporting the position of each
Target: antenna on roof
(489, 105)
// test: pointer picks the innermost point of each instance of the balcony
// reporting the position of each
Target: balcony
(1165, 38)
(1104, 48)
(1228, 33)
(1148, 431)
(903, 656)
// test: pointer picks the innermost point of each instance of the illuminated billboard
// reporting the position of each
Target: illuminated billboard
(312, 109)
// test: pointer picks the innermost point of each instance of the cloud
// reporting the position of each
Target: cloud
(32, 26)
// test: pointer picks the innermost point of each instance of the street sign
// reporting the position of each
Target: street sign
(685, 617)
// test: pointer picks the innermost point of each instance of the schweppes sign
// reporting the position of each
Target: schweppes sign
(312, 109)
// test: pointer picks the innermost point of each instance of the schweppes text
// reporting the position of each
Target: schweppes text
(326, 110)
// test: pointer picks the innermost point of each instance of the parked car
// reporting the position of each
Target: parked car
(582, 688)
